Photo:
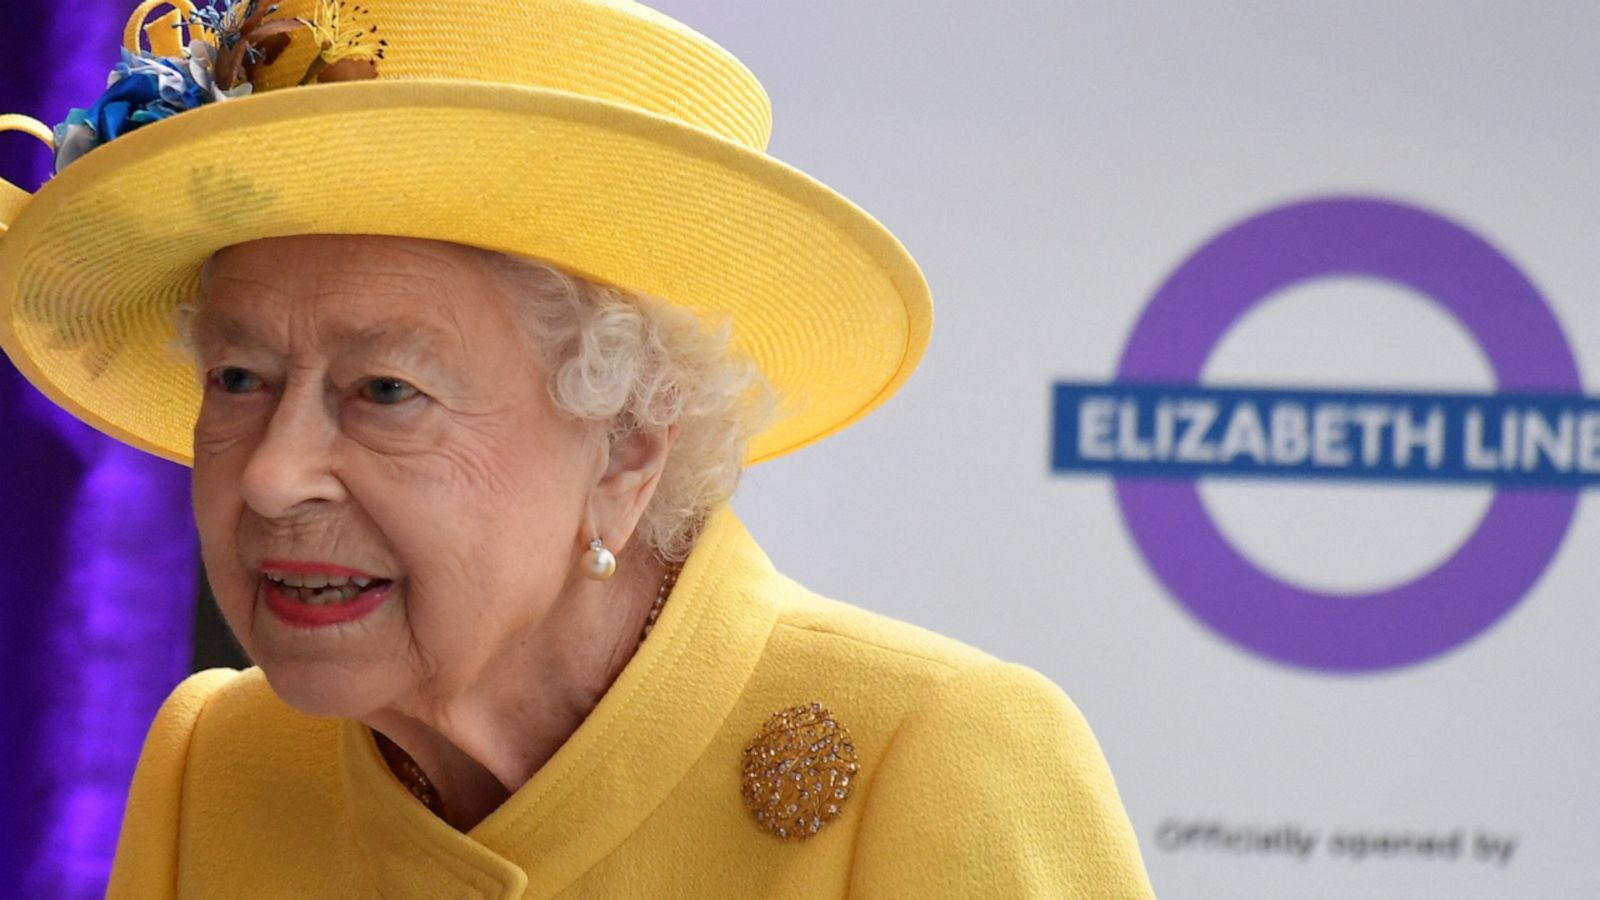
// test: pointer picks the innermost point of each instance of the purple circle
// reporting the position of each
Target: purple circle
(1516, 330)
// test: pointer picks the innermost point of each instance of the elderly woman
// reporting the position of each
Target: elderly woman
(489, 309)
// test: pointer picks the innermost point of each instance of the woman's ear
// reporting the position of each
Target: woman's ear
(633, 469)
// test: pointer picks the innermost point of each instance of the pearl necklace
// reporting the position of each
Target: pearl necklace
(416, 781)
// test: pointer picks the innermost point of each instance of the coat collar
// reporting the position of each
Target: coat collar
(618, 767)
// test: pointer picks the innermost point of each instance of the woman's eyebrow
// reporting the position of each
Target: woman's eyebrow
(212, 328)
(426, 342)
(410, 339)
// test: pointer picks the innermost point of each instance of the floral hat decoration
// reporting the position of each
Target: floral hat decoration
(599, 135)
(236, 41)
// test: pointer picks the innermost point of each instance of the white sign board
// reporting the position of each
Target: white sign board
(1255, 413)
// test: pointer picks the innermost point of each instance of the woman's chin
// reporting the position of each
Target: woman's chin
(325, 688)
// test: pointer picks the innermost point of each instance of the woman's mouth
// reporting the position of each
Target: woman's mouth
(319, 590)
(315, 601)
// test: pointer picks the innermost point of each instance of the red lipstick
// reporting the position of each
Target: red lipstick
(298, 614)
(301, 567)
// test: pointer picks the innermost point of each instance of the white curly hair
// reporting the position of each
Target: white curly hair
(636, 361)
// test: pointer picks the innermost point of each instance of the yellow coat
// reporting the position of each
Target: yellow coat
(976, 778)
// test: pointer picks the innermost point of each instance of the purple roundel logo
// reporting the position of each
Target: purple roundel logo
(1514, 543)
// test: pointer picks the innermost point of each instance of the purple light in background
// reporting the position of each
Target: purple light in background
(127, 611)
(96, 542)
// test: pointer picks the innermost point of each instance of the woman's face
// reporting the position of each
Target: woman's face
(373, 417)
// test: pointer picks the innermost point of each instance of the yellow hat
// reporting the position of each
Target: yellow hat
(597, 134)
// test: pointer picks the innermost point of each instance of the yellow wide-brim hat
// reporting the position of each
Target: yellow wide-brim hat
(599, 135)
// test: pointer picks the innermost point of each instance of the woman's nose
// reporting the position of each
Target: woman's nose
(290, 471)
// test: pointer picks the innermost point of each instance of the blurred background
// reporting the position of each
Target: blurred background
(1364, 673)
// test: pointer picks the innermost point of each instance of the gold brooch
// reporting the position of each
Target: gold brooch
(797, 771)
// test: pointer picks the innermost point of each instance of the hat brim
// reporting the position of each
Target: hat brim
(826, 301)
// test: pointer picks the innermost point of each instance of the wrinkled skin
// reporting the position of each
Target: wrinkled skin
(373, 403)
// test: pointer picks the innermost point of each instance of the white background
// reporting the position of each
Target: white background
(1049, 163)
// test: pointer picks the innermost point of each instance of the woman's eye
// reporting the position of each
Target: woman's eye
(387, 391)
(236, 381)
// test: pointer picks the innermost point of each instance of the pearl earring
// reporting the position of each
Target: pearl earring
(599, 563)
